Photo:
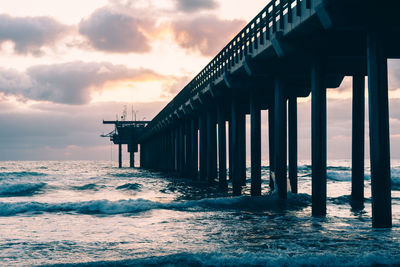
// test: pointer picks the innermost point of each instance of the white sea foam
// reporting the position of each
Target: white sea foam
(140, 205)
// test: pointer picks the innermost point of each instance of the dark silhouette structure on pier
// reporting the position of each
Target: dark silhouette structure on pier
(126, 132)
(290, 49)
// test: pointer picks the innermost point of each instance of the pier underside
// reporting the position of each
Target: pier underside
(290, 50)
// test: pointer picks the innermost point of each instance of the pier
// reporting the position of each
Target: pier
(291, 49)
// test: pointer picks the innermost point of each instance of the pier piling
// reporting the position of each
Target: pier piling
(280, 138)
(293, 144)
(236, 181)
(255, 139)
(222, 149)
(194, 156)
(358, 139)
(318, 136)
(379, 132)
(203, 146)
(119, 155)
(271, 142)
(211, 147)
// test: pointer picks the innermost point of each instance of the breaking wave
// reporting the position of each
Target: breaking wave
(93, 187)
(26, 189)
(256, 259)
(270, 202)
(339, 176)
(20, 174)
(129, 186)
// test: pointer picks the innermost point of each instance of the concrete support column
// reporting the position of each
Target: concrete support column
(255, 139)
(188, 149)
(181, 149)
(230, 149)
(379, 132)
(280, 139)
(203, 147)
(166, 150)
(211, 147)
(318, 135)
(194, 145)
(119, 155)
(242, 146)
(293, 144)
(271, 142)
(132, 159)
(176, 148)
(358, 139)
(236, 182)
(222, 148)
(172, 149)
(141, 156)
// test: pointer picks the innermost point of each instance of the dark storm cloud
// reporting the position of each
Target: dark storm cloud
(113, 31)
(30, 34)
(67, 83)
(195, 5)
(207, 34)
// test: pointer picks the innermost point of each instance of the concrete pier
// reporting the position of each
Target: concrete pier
(290, 49)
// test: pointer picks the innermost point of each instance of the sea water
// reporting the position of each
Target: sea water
(92, 213)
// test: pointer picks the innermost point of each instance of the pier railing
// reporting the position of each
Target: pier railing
(255, 33)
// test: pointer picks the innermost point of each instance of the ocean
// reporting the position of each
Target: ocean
(92, 213)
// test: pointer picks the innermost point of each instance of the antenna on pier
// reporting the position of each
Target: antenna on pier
(124, 113)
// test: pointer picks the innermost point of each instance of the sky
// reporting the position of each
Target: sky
(66, 65)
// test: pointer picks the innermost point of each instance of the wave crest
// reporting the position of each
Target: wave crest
(140, 205)
(26, 189)
(256, 259)
(21, 174)
(129, 186)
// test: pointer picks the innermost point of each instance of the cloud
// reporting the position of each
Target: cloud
(111, 30)
(49, 132)
(67, 83)
(30, 34)
(207, 33)
(174, 85)
(195, 5)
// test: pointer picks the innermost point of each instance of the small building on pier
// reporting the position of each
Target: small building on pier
(126, 133)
